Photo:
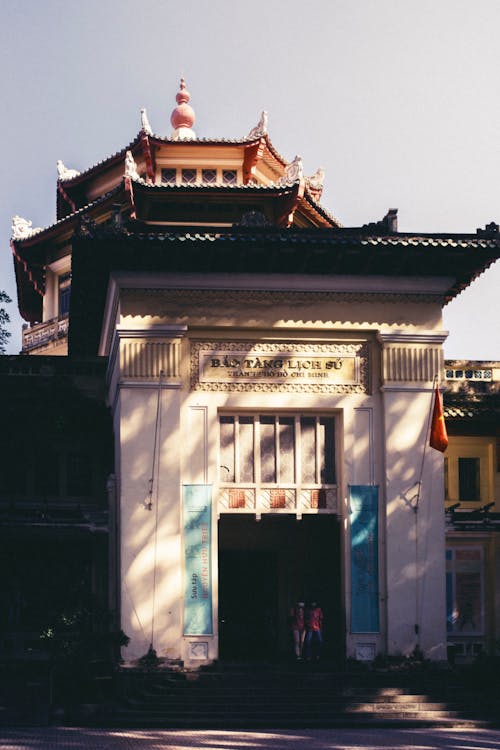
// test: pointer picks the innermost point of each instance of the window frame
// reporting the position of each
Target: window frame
(298, 482)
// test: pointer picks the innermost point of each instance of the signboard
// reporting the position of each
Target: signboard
(364, 559)
(228, 366)
(197, 507)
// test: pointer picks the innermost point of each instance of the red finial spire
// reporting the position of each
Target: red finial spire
(182, 117)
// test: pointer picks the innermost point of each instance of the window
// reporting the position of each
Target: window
(273, 449)
(464, 590)
(470, 475)
(469, 487)
(188, 176)
(209, 176)
(229, 176)
(64, 293)
(469, 374)
(168, 176)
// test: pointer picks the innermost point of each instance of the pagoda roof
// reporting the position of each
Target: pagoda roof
(72, 192)
(456, 259)
(132, 195)
(355, 250)
(134, 145)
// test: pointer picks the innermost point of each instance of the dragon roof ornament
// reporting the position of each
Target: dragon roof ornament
(131, 167)
(317, 179)
(145, 126)
(22, 228)
(294, 172)
(260, 129)
(63, 173)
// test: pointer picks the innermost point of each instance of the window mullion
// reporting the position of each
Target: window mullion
(298, 454)
(256, 451)
(317, 452)
(277, 462)
(256, 464)
(237, 473)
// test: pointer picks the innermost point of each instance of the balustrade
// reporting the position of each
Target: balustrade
(44, 333)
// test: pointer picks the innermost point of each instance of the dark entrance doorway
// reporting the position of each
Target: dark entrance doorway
(248, 596)
(264, 567)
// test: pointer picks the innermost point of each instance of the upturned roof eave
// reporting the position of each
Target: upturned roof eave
(67, 222)
(154, 139)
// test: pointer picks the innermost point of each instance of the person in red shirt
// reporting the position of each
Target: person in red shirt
(314, 631)
(298, 626)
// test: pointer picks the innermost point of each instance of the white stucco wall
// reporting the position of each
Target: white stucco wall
(382, 442)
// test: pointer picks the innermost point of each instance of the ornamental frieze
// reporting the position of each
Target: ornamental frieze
(334, 367)
(173, 303)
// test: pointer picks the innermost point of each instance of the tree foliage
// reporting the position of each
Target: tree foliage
(4, 320)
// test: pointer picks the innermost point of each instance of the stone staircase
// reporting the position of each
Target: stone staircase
(288, 697)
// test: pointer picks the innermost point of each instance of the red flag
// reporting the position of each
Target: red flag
(439, 436)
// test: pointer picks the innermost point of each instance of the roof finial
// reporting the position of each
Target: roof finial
(131, 166)
(63, 173)
(182, 117)
(145, 126)
(260, 129)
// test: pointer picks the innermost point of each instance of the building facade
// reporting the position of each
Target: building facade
(270, 376)
(472, 400)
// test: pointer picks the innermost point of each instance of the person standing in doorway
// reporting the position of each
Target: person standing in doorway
(314, 631)
(298, 626)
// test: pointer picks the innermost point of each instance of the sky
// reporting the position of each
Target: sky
(397, 100)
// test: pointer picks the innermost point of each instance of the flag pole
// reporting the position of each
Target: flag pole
(415, 512)
(427, 431)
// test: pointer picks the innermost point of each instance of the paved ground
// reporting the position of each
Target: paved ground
(52, 738)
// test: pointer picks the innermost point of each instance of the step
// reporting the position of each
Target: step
(294, 698)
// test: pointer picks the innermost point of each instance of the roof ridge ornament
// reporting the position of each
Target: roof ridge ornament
(131, 167)
(315, 183)
(63, 173)
(260, 129)
(182, 117)
(22, 228)
(294, 172)
(317, 179)
(145, 126)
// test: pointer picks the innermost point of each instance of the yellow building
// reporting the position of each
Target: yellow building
(472, 487)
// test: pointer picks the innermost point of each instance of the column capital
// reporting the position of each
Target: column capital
(410, 358)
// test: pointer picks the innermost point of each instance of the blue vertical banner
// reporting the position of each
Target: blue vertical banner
(363, 500)
(197, 507)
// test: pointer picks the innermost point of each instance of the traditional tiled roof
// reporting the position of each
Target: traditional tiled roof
(270, 250)
(116, 157)
(273, 188)
(471, 406)
(337, 236)
(45, 232)
(158, 139)
(468, 410)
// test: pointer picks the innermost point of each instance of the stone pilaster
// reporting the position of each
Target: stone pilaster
(414, 496)
(145, 393)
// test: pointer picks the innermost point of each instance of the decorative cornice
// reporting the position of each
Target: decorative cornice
(408, 337)
(203, 296)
